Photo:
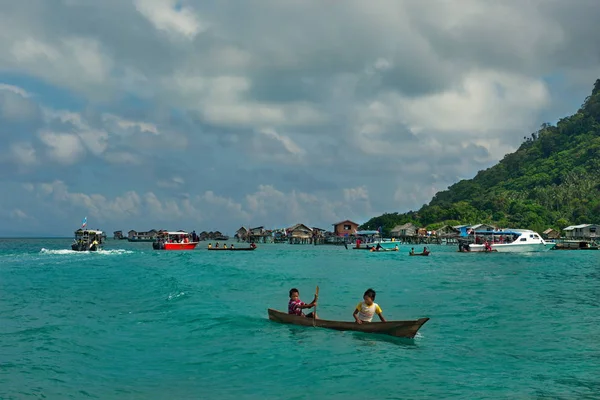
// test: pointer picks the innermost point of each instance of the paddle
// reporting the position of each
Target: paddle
(315, 311)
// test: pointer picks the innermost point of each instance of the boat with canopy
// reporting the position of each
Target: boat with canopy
(504, 241)
(179, 240)
(87, 240)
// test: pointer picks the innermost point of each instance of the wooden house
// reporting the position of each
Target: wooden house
(404, 231)
(118, 235)
(445, 235)
(551, 234)
(482, 228)
(583, 231)
(345, 228)
(447, 231)
(279, 236)
(241, 234)
(258, 234)
(299, 234)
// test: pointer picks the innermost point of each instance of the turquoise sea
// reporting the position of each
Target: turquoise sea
(132, 323)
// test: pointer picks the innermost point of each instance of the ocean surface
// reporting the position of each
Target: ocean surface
(133, 323)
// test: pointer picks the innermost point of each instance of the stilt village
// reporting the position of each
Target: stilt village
(347, 231)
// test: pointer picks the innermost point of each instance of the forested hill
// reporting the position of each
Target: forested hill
(552, 180)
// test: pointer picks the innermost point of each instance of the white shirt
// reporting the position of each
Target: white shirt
(366, 313)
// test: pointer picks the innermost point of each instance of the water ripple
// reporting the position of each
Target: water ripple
(130, 322)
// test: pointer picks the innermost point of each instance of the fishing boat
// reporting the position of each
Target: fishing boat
(367, 240)
(173, 241)
(404, 329)
(233, 248)
(377, 249)
(140, 239)
(505, 241)
(87, 240)
(424, 254)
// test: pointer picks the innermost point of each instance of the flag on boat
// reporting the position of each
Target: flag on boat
(84, 222)
(379, 229)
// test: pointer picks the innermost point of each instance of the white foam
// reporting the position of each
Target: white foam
(114, 251)
(174, 296)
(61, 251)
(102, 252)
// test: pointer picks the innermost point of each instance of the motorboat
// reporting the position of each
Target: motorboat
(505, 241)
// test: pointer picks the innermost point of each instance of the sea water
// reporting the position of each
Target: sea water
(129, 322)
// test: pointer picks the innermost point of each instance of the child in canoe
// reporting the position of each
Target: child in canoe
(295, 306)
(366, 309)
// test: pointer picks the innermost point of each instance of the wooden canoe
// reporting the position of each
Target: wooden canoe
(404, 329)
(234, 249)
(419, 254)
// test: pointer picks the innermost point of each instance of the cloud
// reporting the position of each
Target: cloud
(14, 89)
(222, 114)
(62, 147)
(168, 16)
(19, 214)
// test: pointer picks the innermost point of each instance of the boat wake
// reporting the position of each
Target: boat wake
(62, 251)
(101, 252)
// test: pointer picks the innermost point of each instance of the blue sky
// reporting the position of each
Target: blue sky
(211, 115)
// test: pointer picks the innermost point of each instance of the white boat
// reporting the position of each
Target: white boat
(509, 241)
(365, 240)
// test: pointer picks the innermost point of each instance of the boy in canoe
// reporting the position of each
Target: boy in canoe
(295, 306)
(366, 309)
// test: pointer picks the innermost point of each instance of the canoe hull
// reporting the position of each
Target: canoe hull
(419, 254)
(234, 249)
(404, 329)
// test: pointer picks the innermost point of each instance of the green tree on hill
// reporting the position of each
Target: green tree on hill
(552, 180)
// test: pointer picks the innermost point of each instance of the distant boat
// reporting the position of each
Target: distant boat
(366, 240)
(140, 239)
(232, 249)
(425, 253)
(222, 238)
(404, 329)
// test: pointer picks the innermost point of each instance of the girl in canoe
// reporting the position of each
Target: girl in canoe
(366, 309)
(295, 306)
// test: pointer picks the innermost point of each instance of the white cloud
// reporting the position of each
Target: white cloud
(165, 16)
(33, 50)
(19, 214)
(357, 193)
(126, 125)
(76, 62)
(264, 144)
(266, 125)
(63, 148)
(484, 102)
(15, 89)
(174, 182)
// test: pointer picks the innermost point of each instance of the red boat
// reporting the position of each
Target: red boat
(173, 241)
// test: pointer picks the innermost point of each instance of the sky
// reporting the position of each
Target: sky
(211, 115)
